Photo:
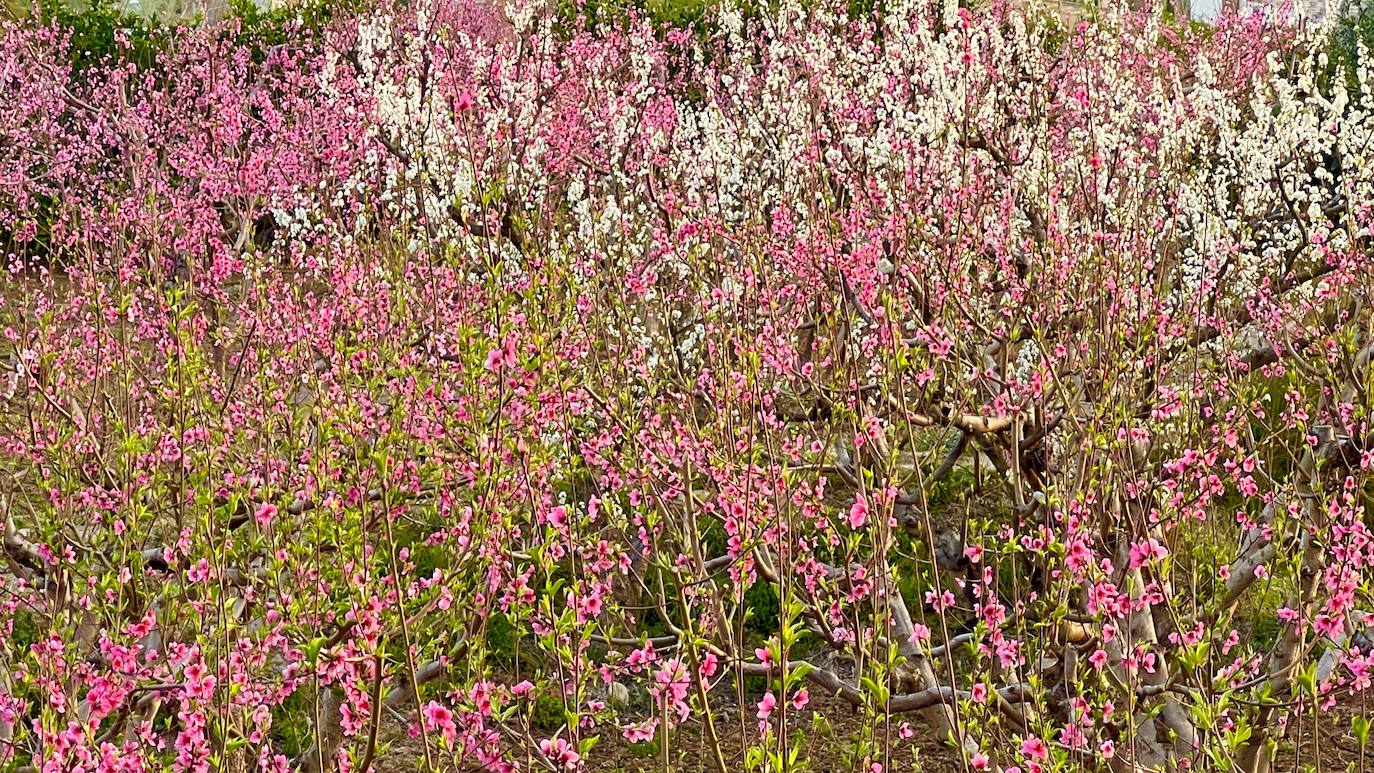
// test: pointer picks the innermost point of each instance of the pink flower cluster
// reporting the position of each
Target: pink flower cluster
(545, 384)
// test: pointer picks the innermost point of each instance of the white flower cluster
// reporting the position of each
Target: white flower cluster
(981, 145)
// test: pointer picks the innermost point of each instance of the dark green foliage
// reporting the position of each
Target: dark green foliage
(1264, 632)
(761, 599)
(25, 631)
(291, 724)
(427, 558)
(261, 30)
(548, 712)
(603, 14)
(103, 33)
(1343, 54)
(502, 642)
(697, 16)
(650, 749)
(951, 489)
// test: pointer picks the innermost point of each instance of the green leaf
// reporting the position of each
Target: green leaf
(878, 691)
(312, 649)
(1359, 727)
(797, 673)
(1240, 736)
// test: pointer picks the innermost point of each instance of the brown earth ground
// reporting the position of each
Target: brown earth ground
(1329, 747)
(689, 751)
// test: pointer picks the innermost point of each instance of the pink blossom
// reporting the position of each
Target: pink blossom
(858, 513)
(1035, 749)
(765, 711)
(1098, 659)
(642, 732)
(709, 665)
(560, 752)
(440, 719)
(265, 514)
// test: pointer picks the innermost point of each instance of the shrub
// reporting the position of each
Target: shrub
(1351, 41)
(103, 34)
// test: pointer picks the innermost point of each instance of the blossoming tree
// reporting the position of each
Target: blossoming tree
(470, 368)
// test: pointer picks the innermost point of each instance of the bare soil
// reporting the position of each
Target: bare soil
(1326, 745)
